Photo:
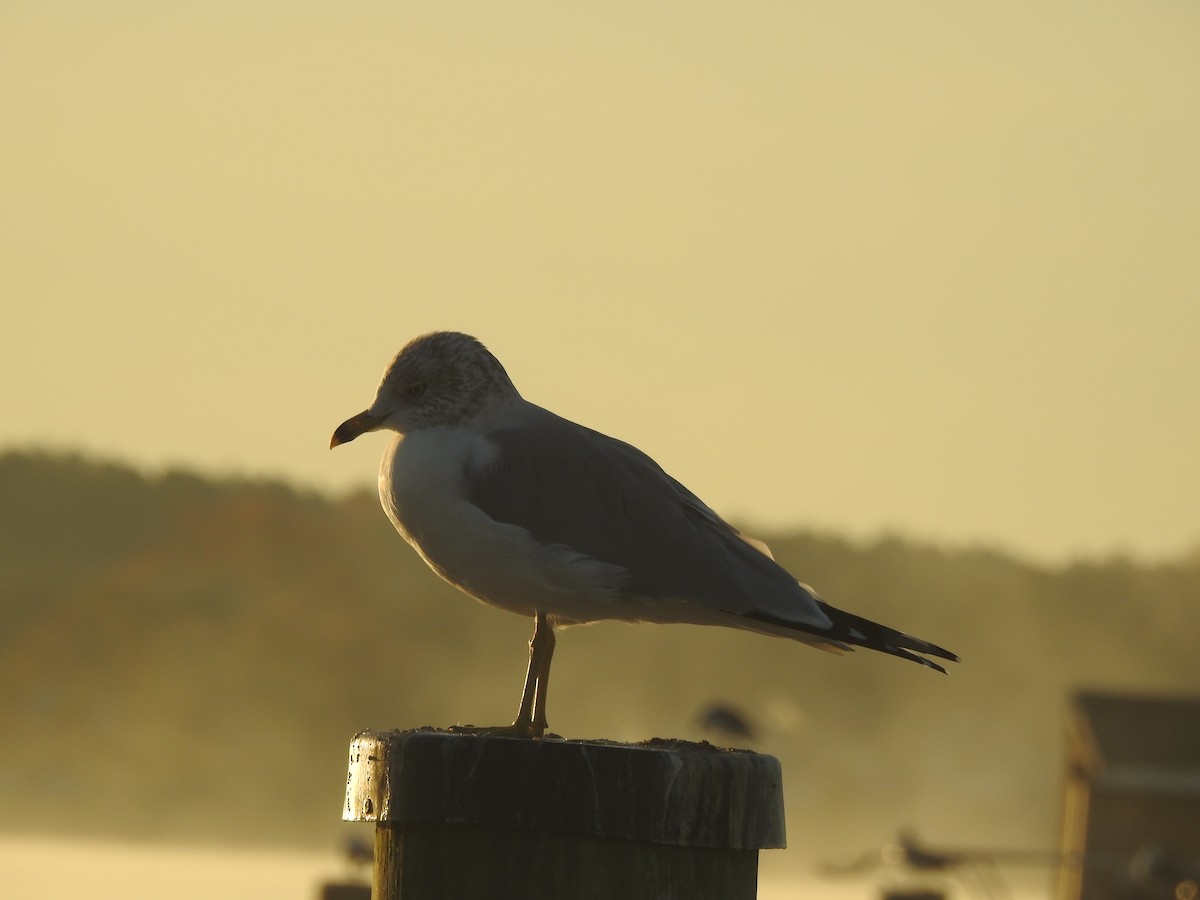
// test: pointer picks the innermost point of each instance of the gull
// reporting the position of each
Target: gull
(529, 512)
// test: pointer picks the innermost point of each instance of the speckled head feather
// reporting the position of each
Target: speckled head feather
(440, 379)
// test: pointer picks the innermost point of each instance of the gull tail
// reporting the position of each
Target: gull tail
(846, 629)
(851, 629)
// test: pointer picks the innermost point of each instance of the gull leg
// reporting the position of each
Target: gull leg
(524, 720)
(545, 632)
(531, 716)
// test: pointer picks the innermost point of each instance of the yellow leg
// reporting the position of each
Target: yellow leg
(531, 715)
(544, 635)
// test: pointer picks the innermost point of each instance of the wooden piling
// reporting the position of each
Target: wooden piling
(492, 818)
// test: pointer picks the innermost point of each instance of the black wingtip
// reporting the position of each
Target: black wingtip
(848, 628)
(934, 650)
(905, 654)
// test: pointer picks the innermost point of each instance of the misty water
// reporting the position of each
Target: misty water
(101, 870)
(203, 652)
(106, 870)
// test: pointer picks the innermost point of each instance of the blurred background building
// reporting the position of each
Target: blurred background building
(1131, 799)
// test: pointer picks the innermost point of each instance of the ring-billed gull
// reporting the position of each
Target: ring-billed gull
(534, 514)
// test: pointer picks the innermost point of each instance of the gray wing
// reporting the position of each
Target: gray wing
(569, 485)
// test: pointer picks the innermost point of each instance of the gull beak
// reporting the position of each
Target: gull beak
(353, 427)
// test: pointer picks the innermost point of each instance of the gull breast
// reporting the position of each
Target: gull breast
(423, 486)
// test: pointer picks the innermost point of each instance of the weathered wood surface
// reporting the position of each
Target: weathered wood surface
(492, 817)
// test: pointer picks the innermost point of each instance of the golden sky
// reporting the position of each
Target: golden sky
(931, 266)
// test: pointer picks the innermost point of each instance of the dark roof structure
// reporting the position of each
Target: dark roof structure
(1131, 798)
(1153, 738)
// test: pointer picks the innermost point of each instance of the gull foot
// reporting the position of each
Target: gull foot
(516, 729)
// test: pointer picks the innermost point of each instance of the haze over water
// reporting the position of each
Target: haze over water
(33, 868)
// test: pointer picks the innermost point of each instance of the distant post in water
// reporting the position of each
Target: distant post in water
(475, 817)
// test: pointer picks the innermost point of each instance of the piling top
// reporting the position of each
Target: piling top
(665, 792)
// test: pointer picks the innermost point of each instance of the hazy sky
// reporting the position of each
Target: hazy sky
(926, 266)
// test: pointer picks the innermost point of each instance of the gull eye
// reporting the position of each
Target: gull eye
(416, 390)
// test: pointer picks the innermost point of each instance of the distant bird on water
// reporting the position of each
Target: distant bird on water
(534, 514)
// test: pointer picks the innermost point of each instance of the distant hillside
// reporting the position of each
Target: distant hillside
(186, 657)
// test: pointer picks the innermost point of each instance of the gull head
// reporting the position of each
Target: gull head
(438, 380)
